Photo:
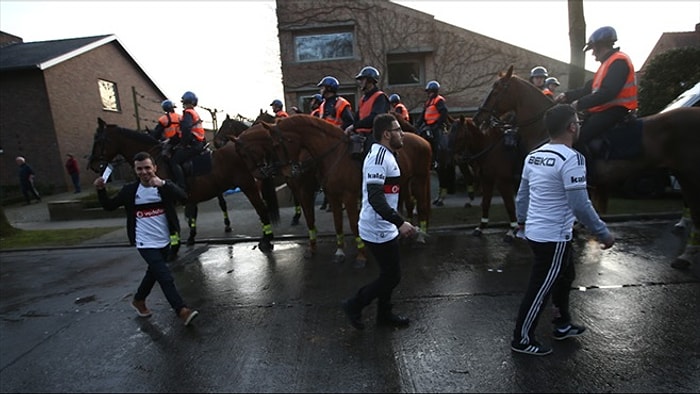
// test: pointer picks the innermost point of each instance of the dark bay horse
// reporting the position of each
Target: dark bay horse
(496, 161)
(339, 174)
(303, 187)
(228, 171)
(667, 140)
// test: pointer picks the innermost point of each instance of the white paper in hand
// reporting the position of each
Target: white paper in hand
(107, 173)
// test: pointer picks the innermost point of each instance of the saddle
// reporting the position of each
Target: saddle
(357, 146)
(622, 142)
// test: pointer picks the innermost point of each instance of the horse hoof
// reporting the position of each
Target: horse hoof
(171, 257)
(680, 264)
(265, 246)
(467, 205)
(295, 221)
(228, 229)
(190, 242)
(309, 253)
(477, 232)
(359, 263)
(339, 259)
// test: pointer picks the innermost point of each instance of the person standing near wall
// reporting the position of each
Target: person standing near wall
(73, 171)
(26, 180)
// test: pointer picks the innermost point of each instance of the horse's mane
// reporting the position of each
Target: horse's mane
(302, 122)
(139, 136)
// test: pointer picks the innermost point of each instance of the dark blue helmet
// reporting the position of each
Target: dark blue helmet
(317, 97)
(330, 82)
(432, 86)
(189, 98)
(276, 103)
(604, 35)
(168, 106)
(368, 72)
(394, 98)
(539, 71)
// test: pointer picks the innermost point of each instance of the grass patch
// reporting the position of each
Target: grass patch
(24, 239)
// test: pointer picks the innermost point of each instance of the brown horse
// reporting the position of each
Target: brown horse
(495, 158)
(227, 171)
(340, 174)
(668, 139)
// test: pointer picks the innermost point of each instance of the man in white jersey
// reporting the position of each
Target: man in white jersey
(150, 220)
(552, 195)
(380, 224)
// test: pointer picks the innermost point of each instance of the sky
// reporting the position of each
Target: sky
(227, 52)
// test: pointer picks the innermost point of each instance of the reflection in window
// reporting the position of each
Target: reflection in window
(404, 72)
(324, 46)
(109, 95)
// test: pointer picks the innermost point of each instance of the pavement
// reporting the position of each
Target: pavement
(210, 228)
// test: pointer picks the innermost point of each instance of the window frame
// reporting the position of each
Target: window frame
(319, 34)
(109, 95)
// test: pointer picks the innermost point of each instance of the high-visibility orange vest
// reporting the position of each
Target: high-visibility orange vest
(281, 114)
(627, 97)
(171, 125)
(548, 93)
(366, 109)
(197, 128)
(402, 110)
(316, 112)
(432, 115)
(337, 117)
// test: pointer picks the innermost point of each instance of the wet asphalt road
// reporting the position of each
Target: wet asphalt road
(272, 323)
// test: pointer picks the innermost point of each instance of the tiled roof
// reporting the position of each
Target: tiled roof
(44, 54)
(674, 40)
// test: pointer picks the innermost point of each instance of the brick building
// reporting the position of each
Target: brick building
(52, 94)
(408, 47)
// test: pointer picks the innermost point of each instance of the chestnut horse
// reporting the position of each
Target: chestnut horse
(340, 174)
(228, 171)
(665, 140)
(493, 154)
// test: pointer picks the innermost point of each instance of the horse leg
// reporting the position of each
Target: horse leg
(691, 252)
(252, 192)
(297, 210)
(487, 194)
(337, 207)
(506, 188)
(353, 216)
(224, 209)
(307, 196)
(191, 215)
(421, 192)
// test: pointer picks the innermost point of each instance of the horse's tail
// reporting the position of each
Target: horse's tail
(269, 195)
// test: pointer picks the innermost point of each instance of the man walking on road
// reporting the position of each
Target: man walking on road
(151, 219)
(380, 224)
(551, 197)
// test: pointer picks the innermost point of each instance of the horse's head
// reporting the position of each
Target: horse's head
(464, 137)
(265, 117)
(229, 128)
(405, 126)
(255, 147)
(497, 101)
(101, 153)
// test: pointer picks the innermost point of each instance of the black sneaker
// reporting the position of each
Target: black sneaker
(392, 320)
(534, 348)
(568, 331)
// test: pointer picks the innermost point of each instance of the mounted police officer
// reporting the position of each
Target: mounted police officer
(277, 109)
(537, 76)
(192, 140)
(334, 109)
(373, 102)
(398, 107)
(610, 96)
(550, 86)
(433, 121)
(315, 105)
(168, 128)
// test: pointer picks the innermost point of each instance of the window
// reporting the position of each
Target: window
(404, 72)
(324, 46)
(109, 95)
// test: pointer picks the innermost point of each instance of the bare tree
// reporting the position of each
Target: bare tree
(577, 39)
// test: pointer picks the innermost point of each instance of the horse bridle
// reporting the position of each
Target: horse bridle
(297, 168)
(495, 121)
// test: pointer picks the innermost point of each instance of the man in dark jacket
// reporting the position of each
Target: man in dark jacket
(151, 220)
(26, 180)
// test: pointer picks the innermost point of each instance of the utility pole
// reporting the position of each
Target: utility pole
(212, 112)
(136, 108)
